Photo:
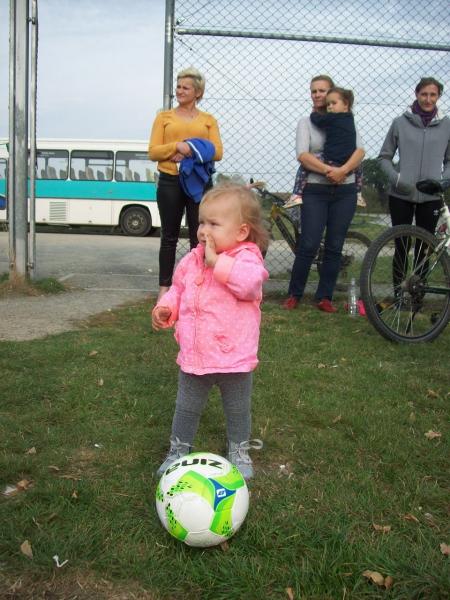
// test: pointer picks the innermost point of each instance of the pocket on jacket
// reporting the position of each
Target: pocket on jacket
(223, 342)
(403, 187)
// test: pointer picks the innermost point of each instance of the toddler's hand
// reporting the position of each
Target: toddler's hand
(160, 317)
(210, 252)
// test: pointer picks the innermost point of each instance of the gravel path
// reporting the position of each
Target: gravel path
(32, 317)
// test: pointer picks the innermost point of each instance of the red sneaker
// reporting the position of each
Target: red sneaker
(290, 303)
(326, 306)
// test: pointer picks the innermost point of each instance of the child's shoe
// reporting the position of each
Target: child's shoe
(177, 450)
(294, 200)
(360, 201)
(238, 455)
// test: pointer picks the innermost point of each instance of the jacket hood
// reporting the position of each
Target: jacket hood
(416, 120)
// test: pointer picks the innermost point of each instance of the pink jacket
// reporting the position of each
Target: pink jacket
(216, 311)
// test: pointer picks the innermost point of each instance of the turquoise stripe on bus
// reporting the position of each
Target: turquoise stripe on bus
(87, 190)
(100, 190)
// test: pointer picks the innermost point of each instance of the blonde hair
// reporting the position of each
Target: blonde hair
(198, 80)
(249, 210)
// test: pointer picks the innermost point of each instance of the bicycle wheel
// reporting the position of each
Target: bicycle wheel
(353, 252)
(288, 229)
(405, 285)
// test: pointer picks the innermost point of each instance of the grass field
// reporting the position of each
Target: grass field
(353, 476)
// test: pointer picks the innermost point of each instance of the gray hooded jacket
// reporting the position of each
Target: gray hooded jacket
(424, 153)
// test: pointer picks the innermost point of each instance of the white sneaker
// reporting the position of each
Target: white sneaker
(294, 200)
(238, 455)
(177, 450)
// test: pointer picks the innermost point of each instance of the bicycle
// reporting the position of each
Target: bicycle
(289, 226)
(405, 277)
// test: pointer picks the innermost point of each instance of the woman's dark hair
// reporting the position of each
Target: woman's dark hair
(323, 78)
(346, 95)
(429, 81)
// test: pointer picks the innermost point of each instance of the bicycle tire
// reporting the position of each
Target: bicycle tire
(288, 230)
(355, 247)
(414, 310)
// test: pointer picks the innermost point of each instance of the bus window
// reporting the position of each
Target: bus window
(134, 166)
(92, 164)
(52, 164)
(2, 168)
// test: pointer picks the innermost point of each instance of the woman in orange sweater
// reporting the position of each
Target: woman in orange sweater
(167, 146)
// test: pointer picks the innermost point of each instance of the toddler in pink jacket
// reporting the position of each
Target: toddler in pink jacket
(214, 304)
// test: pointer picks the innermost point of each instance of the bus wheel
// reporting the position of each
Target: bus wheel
(135, 221)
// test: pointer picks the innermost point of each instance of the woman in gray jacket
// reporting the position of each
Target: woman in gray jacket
(422, 137)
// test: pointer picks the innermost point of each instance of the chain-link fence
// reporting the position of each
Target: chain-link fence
(259, 57)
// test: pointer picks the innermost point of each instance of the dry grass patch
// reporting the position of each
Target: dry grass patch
(63, 586)
(14, 285)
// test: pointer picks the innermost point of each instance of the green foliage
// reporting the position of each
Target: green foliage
(375, 183)
(343, 415)
(49, 286)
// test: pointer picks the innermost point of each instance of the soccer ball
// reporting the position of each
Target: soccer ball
(202, 499)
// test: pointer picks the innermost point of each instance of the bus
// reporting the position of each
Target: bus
(92, 182)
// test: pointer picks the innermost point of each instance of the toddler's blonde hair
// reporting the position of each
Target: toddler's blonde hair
(249, 209)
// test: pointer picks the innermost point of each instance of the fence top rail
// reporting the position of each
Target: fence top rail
(385, 43)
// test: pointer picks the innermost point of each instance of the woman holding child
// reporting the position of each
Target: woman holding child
(329, 194)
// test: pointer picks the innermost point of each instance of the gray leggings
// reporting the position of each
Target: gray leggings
(193, 390)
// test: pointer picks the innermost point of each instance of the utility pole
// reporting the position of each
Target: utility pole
(168, 54)
(18, 138)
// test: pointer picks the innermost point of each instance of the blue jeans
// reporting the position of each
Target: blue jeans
(324, 206)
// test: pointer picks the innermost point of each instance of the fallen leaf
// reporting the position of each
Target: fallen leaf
(431, 435)
(381, 528)
(290, 593)
(100, 382)
(75, 495)
(93, 353)
(31, 451)
(337, 419)
(410, 517)
(54, 468)
(388, 582)
(321, 366)
(445, 549)
(432, 394)
(430, 520)
(25, 548)
(374, 577)
(23, 484)
(224, 546)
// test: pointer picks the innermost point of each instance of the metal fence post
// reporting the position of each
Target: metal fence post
(168, 54)
(18, 164)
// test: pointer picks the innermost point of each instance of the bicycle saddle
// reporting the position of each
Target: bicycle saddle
(433, 186)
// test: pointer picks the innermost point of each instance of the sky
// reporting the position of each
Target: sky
(100, 67)
(100, 70)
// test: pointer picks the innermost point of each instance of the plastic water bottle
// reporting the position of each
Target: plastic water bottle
(352, 302)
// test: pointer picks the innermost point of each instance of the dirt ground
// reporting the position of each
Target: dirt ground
(32, 317)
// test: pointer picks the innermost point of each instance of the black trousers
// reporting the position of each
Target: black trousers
(172, 202)
(402, 213)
